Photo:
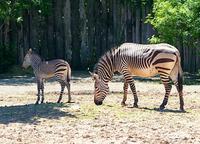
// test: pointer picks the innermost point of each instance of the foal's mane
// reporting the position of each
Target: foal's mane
(35, 53)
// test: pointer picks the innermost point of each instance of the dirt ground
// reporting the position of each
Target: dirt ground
(83, 122)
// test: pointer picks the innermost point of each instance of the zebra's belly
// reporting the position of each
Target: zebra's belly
(148, 72)
(47, 75)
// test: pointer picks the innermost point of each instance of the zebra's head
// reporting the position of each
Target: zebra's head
(27, 59)
(101, 89)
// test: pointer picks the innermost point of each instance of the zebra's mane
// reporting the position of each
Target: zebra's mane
(36, 54)
(107, 53)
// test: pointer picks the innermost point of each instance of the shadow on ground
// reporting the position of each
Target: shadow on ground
(17, 80)
(189, 79)
(29, 79)
(31, 113)
(165, 110)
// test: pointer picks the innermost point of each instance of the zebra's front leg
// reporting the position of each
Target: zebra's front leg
(42, 89)
(168, 88)
(129, 79)
(38, 94)
(123, 103)
(133, 89)
(62, 84)
(69, 92)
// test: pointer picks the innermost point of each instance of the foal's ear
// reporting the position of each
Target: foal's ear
(30, 51)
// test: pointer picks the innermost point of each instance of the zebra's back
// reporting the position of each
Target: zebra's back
(144, 60)
(56, 67)
(140, 48)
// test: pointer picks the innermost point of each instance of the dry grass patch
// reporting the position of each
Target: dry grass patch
(83, 122)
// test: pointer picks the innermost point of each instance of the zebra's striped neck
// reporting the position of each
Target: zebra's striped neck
(35, 61)
(105, 66)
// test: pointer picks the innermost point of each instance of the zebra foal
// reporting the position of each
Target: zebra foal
(57, 68)
(132, 59)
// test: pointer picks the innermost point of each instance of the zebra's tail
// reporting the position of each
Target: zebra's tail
(68, 74)
(180, 74)
(177, 73)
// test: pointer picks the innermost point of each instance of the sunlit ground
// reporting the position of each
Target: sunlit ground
(83, 122)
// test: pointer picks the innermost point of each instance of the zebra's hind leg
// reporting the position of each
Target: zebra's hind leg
(42, 89)
(123, 103)
(178, 82)
(69, 91)
(181, 100)
(62, 84)
(168, 88)
(38, 94)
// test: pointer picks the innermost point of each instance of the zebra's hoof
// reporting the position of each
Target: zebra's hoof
(58, 101)
(37, 103)
(69, 101)
(135, 105)
(123, 104)
(161, 108)
(182, 110)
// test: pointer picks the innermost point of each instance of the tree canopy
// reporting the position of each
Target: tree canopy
(13, 9)
(175, 20)
(80, 31)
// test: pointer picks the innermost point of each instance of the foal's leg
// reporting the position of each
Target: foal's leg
(69, 91)
(38, 89)
(62, 84)
(42, 89)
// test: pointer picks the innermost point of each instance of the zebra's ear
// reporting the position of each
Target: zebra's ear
(90, 73)
(30, 50)
(94, 76)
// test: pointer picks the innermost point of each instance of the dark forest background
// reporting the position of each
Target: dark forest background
(79, 31)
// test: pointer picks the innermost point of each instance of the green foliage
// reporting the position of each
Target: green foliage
(135, 3)
(12, 13)
(13, 10)
(174, 20)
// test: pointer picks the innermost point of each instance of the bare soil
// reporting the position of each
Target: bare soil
(83, 122)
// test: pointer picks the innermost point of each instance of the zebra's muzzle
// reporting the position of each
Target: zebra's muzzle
(98, 102)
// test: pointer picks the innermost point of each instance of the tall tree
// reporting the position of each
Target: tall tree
(177, 22)
(76, 33)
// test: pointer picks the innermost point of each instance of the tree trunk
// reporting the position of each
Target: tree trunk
(75, 31)
(67, 29)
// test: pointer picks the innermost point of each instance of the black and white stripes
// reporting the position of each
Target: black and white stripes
(139, 60)
(57, 68)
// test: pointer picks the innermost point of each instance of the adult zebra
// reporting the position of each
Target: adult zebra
(57, 68)
(132, 59)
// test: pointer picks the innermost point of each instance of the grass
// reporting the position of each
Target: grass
(116, 111)
(83, 121)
